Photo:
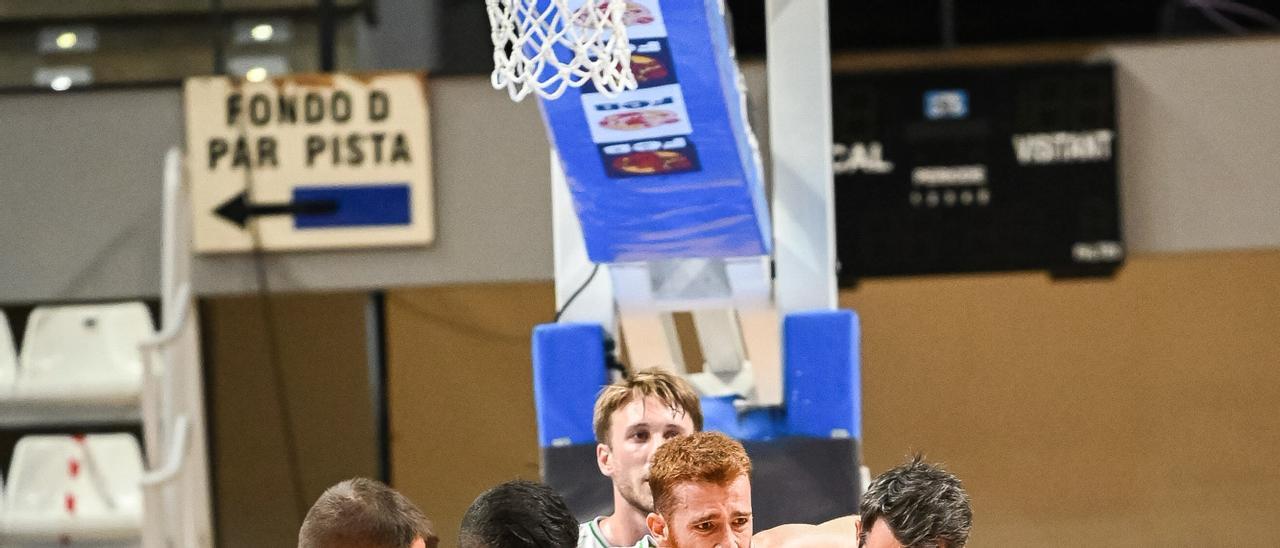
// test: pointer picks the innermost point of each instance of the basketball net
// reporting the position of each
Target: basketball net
(547, 46)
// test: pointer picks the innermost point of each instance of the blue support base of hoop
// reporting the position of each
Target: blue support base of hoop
(823, 374)
(822, 383)
(807, 453)
(568, 372)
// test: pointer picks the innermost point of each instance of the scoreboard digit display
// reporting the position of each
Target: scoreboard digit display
(976, 170)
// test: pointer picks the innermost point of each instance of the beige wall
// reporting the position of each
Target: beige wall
(1136, 411)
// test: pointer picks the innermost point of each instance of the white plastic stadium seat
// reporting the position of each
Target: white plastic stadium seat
(83, 353)
(72, 490)
(8, 358)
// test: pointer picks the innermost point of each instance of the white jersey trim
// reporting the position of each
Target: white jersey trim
(590, 536)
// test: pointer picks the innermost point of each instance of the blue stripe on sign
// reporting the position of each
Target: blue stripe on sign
(362, 205)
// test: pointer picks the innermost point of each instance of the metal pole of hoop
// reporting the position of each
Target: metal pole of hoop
(799, 74)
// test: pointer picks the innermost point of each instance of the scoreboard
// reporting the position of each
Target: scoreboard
(975, 170)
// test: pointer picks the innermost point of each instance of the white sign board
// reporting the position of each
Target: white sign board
(309, 162)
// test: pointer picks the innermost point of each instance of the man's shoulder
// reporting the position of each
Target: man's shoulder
(837, 533)
(781, 535)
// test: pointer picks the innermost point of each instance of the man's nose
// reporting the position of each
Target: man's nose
(654, 444)
(729, 541)
(657, 441)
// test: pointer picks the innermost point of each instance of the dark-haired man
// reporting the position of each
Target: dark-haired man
(519, 514)
(915, 505)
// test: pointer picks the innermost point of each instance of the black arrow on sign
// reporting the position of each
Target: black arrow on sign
(238, 209)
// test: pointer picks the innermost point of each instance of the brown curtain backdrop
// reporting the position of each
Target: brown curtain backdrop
(322, 354)
(1139, 411)
(460, 392)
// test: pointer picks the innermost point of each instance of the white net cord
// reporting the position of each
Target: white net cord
(545, 46)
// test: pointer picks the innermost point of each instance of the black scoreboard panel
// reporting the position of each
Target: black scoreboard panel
(976, 169)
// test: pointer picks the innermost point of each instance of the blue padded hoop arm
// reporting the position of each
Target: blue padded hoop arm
(823, 377)
(720, 415)
(670, 169)
(568, 371)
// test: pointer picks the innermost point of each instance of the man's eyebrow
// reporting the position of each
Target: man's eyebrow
(704, 517)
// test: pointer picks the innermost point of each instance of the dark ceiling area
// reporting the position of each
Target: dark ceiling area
(872, 25)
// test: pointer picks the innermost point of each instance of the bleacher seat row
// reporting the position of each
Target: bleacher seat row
(8, 357)
(77, 490)
(73, 490)
(84, 353)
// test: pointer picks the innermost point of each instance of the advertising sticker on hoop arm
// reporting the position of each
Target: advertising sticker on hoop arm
(669, 169)
(305, 162)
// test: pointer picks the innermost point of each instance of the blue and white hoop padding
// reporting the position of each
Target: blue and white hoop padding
(671, 169)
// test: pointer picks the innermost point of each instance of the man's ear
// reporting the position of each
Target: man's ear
(658, 528)
(857, 524)
(604, 459)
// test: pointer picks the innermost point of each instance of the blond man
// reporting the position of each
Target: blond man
(632, 419)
